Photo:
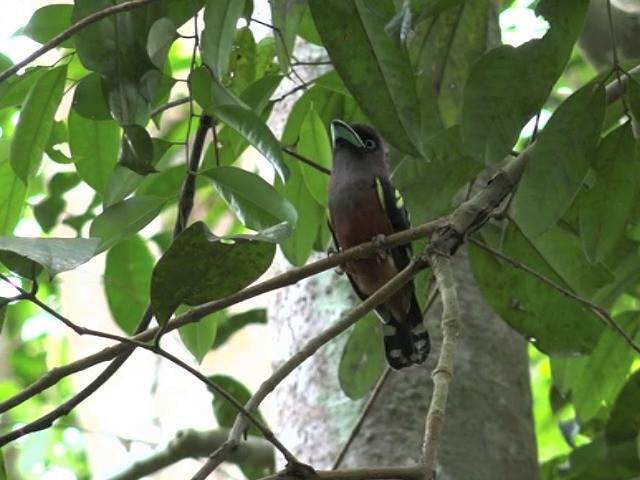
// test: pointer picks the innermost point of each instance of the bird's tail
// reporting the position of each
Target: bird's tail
(406, 342)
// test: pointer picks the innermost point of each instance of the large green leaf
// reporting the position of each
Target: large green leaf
(124, 219)
(375, 67)
(623, 423)
(94, 146)
(127, 277)
(257, 204)
(161, 36)
(508, 86)
(220, 19)
(199, 267)
(54, 254)
(555, 324)
(362, 360)
(606, 208)
(35, 122)
(555, 173)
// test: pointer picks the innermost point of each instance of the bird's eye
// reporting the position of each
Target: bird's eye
(369, 144)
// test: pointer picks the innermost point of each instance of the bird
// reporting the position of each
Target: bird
(363, 205)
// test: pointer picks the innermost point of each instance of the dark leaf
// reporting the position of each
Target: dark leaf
(199, 267)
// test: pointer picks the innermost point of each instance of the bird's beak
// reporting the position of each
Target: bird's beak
(339, 129)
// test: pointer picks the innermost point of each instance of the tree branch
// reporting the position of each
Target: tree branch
(443, 373)
(195, 444)
(71, 31)
(381, 473)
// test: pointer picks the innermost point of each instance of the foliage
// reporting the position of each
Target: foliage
(115, 115)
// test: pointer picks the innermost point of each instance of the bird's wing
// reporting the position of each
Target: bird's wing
(393, 205)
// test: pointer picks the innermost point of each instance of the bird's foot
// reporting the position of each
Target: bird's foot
(380, 241)
(332, 251)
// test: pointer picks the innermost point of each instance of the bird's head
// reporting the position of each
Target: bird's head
(357, 142)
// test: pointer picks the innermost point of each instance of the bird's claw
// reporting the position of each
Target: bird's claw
(380, 241)
(332, 250)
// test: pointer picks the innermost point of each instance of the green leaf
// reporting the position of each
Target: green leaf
(12, 193)
(199, 267)
(220, 19)
(227, 326)
(524, 302)
(89, 98)
(555, 173)
(496, 107)
(362, 360)
(127, 277)
(314, 144)
(94, 145)
(54, 254)
(607, 207)
(373, 63)
(199, 336)
(125, 218)
(428, 185)
(161, 36)
(47, 22)
(35, 122)
(286, 16)
(136, 152)
(257, 204)
(603, 374)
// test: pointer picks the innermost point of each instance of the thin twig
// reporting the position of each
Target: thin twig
(443, 372)
(303, 354)
(306, 160)
(71, 31)
(600, 312)
(363, 415)
(167, 106)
